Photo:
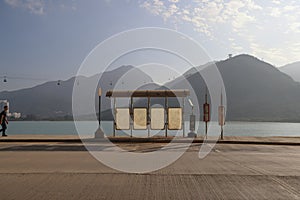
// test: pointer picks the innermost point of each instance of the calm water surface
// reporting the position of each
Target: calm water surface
(230, 129)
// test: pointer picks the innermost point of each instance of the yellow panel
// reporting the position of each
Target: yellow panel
(140, 118)
(174, 118)
(157, 118)
(122, 119)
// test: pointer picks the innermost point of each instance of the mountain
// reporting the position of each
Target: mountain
(255, 90)
(293, 70)
(50, 100)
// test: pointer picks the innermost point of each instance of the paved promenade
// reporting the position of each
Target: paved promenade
(65, 170)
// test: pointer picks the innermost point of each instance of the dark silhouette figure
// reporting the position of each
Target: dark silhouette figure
(4, 121)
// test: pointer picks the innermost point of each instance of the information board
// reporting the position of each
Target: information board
(174, 118)
(140, 118)
(157, 118)
(122, 119)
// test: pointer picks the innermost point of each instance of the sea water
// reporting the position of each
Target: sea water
(88, 128)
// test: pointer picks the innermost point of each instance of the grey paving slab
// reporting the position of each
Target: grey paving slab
(230, 171)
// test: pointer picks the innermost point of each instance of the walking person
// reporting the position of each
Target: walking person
(3, 121)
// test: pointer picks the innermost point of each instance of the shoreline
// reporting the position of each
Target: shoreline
(264, 140)
(254, 121)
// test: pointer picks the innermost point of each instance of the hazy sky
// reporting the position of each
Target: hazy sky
(48, 40)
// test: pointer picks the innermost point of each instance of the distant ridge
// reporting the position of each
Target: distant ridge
(256, 91)
(52, 101)
(293, 70)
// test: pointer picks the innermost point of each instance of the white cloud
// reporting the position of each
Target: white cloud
(275, 12)
(12, 2)
(170, 11)
(174, 1)
(33, 6)
(205, 14)
(289, 8)
(156, 7)
(39, 7)
(276, 2)
(266, 29)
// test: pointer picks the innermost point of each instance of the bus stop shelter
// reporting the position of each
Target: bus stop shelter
(148, 118)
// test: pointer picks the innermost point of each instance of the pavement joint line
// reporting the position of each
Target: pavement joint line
(142, 174)
(133, 141)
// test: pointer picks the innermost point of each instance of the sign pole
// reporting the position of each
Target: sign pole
(222, 116)
(206, 114)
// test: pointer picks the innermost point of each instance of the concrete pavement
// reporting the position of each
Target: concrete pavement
(230, 171)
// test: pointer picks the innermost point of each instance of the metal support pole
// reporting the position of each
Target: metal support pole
(206, 121)
(183, 126)
(131, 115)
(222, 135)
(99, 111)
(114, 131)
(205, 130)
(148, 116)
(167, 117)
(221, 116)
(99, 133)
